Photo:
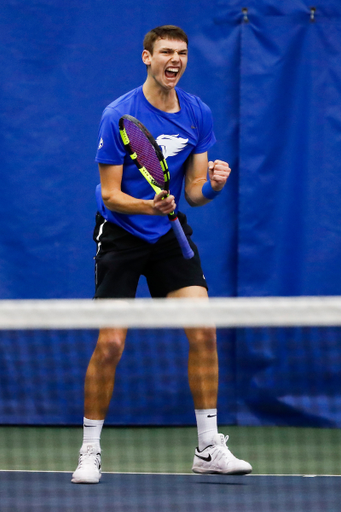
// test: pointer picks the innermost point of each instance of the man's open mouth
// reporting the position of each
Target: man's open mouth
(171, 72)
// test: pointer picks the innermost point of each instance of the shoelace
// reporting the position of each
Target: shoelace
(224, 452)
(89, 457)
(225, 439)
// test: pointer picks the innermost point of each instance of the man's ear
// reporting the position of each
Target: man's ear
(146, 57)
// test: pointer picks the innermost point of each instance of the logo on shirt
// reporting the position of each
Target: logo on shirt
(171, 145)
(100, 145)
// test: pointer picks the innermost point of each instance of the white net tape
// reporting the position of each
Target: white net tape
(221, 312)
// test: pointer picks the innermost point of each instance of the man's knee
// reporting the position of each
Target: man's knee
(111, 343)
(202, 338)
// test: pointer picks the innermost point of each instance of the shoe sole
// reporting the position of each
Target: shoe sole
(208, 472)
(83, 481)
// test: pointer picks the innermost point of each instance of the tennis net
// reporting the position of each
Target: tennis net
(224, 312)
(279, 398)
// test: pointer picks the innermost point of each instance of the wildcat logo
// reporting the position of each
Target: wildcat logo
(171, 145)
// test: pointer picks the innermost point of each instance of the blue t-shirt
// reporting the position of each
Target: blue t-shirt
(178, 134)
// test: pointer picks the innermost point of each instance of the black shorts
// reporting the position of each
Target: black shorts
(122, 258)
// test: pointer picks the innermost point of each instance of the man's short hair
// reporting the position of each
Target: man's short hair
(163, 32)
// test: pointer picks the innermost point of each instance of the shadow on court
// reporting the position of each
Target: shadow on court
(53, 492)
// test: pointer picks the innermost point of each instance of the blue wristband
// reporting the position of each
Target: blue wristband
(208, 192)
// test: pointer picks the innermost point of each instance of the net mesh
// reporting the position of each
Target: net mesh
(279, 400)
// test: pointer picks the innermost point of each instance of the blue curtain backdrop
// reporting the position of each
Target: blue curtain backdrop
(271, 76)
(289, 189)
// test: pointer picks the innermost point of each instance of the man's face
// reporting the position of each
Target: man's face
(167, 63)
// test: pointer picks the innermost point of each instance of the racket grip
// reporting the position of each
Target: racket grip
(186, 249)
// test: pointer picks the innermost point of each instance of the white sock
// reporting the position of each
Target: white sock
(92, 432)
(207, 426)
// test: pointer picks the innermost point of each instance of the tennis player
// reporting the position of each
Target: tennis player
(134, 238)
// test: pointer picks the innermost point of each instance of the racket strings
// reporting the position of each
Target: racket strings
(145, 152)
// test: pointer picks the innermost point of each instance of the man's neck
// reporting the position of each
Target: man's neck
(162, 99)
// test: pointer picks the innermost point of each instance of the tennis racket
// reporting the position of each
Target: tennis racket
(147, 155)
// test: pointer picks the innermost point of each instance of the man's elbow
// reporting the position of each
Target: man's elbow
(190, 200)
(108, 197)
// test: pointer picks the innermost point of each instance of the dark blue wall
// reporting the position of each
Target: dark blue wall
(273, 84)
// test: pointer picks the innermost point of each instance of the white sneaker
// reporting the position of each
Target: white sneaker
(89, 467)
(217, 458)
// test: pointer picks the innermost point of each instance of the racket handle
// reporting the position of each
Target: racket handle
(186, 249)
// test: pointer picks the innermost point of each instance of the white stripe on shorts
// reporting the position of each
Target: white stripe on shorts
(100, 232)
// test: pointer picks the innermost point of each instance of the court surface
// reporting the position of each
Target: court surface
(162, 493)
(149, 469)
